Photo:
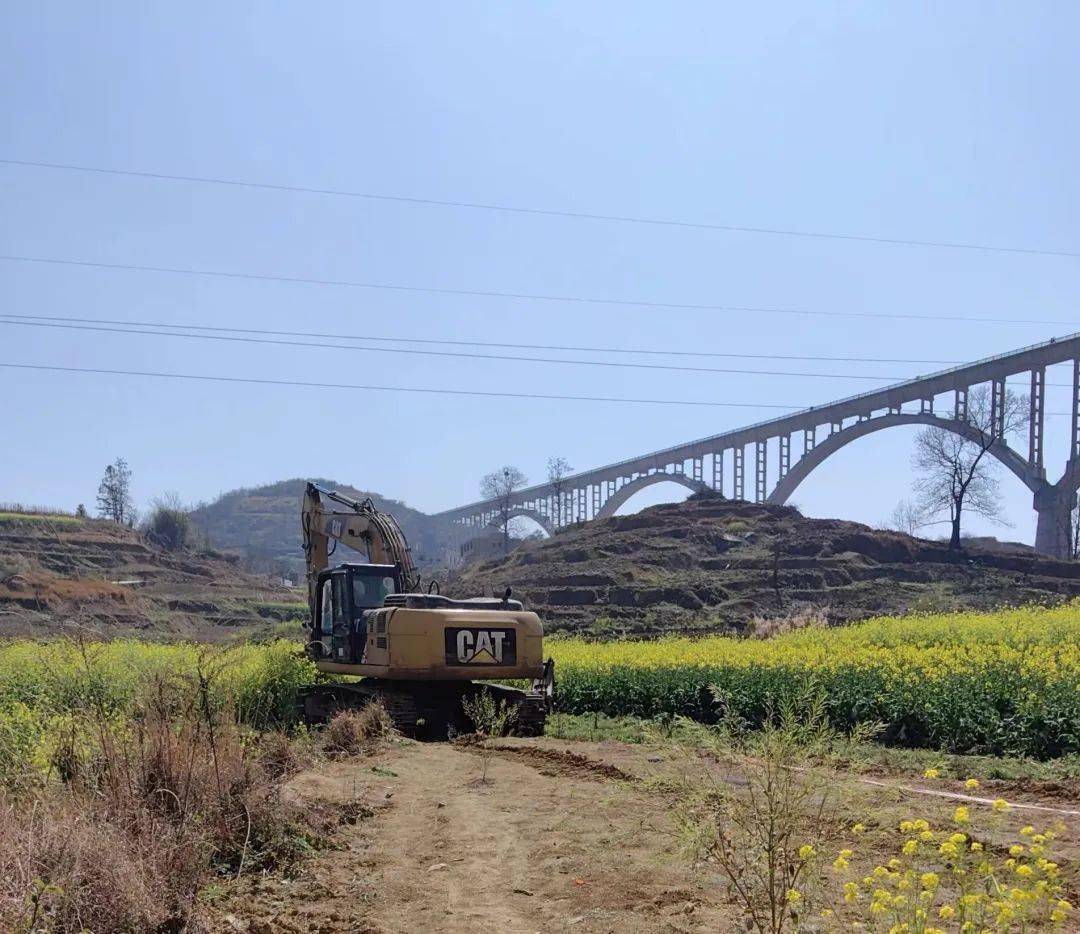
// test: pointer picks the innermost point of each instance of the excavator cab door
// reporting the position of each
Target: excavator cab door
(335, 629)
(346, 595)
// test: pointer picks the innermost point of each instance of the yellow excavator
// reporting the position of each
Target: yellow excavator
(420, 653)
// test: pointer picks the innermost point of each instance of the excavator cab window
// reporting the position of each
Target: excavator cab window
(370, 592)
(326, 610)
(341, 609)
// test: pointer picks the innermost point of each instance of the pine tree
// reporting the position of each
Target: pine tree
(114, 493)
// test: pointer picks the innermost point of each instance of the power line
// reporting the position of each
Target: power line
(541, 212)
(408, 389)
(440, 353)
(495, 344)
(528, 296)
(450, 353)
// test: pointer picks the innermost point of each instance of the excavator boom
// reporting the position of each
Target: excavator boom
(358, 525)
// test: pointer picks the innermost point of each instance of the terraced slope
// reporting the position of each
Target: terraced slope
(56, 570)
(710, 563)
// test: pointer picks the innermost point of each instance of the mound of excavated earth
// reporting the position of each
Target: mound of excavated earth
(711, 563)
(60, 572)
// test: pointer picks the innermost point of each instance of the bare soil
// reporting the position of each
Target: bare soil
(559, 836)
(554, 839)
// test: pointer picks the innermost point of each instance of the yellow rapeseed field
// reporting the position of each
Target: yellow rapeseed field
(1001, 682)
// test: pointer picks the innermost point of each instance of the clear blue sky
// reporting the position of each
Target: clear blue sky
(923, 120)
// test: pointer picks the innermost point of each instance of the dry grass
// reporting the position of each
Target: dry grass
(282, 754)
(53, 590)
(138, 815)
(352, 732)
(761, 627)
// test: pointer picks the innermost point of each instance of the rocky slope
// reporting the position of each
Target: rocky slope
(710, 563)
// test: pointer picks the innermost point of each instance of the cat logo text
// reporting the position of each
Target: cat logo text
(476, 646)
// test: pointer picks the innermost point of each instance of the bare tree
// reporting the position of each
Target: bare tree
(558, 469)
(906, 517)
(500, 485)
(114, 493)
(957, 476)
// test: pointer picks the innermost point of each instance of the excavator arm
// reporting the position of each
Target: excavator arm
(328, 517)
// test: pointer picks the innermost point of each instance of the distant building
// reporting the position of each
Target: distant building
(488, 544)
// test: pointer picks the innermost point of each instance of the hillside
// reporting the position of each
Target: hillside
(710, 563)
(56, 571)
(262, 524)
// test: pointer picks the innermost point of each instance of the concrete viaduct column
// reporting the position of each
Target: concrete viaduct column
(1054, 502)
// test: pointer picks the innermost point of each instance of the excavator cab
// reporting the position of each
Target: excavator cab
(346, 596)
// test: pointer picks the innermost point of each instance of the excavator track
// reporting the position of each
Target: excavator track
(424, 710)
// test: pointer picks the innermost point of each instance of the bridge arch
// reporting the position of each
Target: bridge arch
(1031, 478)
(540, 520)
(624, 493)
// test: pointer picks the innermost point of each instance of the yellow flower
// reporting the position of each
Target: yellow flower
(929, 880)
(961, 815)
(926, 836)
(971, 784)
(1000, 806)
(858, 828)
(793, 896)
(958, 838)
(946, 912)
(1024, 872)
(1016, 849)
(851, 891)
(806, 851)
(1027, 831)
(910, 848)
(976, 846)
(840, 864)
(920, 825)
(932, 773)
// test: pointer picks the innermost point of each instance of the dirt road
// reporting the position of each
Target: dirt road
(551, 841)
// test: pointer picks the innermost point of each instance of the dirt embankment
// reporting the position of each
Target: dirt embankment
(56, 570)
(714, 563)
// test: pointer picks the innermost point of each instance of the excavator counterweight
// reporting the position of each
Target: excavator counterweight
(420, 653)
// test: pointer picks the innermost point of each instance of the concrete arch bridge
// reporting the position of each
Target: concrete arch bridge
(765, 462)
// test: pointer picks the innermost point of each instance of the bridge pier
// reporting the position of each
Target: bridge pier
(1054, 503)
